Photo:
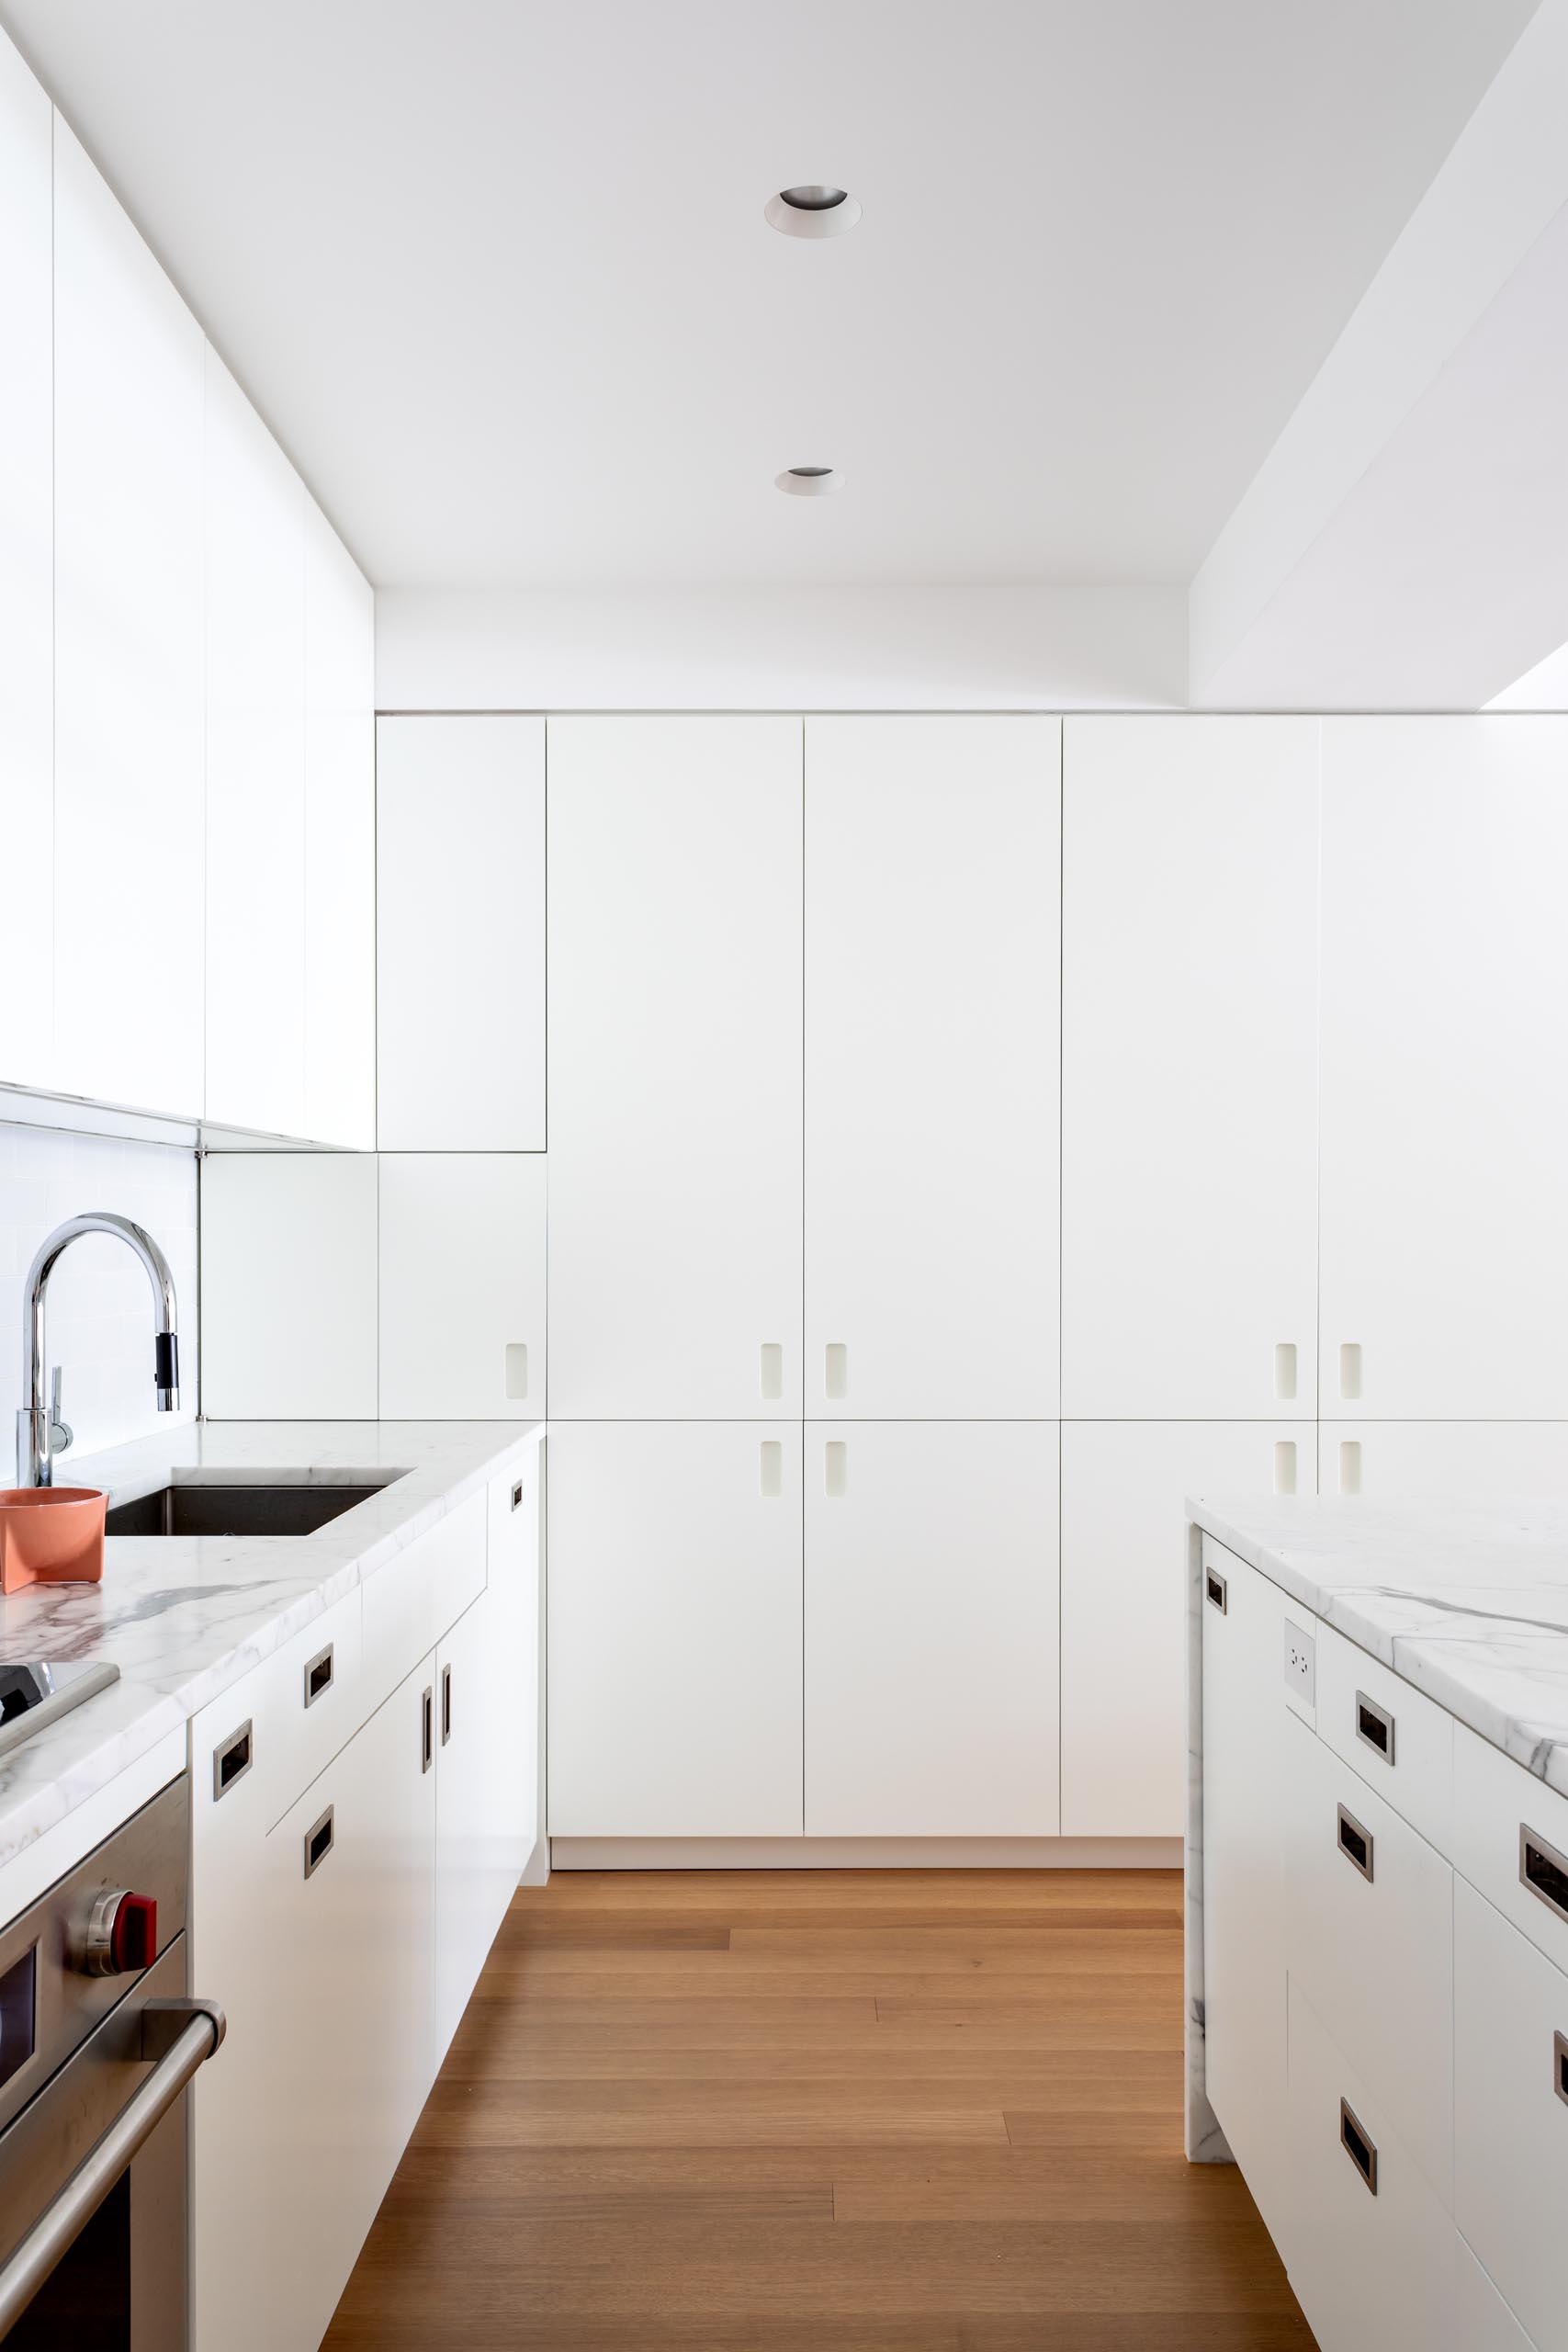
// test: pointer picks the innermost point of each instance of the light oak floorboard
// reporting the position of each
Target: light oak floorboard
(821, 2111)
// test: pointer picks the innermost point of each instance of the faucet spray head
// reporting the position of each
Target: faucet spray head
(167, 1373)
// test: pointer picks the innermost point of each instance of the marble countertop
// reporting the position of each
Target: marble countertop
(183, 1617)
(1468, 1602)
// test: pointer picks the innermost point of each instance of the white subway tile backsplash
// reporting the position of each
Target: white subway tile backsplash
(100, 1309)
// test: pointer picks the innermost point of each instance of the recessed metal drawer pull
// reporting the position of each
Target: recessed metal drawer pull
(1374, 1726)
(517, 1495)
(445, 1704)
(319, 1675)
(1361, 2150)
(1356, 1843)
(427, 1728)
(1544, 1870)
(1560, 2066)
(231, 1760)
(1216, 1591)
(320, 1839)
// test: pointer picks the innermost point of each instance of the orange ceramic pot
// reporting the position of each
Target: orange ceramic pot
(51, 1535)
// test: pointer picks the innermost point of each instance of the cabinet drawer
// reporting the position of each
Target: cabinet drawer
(410, 1603)
(1372, 2253)
(1510, 1838)
(1368, 1938)
(1511, 2113)
(254, 1748)
(1401, 1743)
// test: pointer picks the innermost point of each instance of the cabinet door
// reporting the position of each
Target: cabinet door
(340, 844)
(289, 1286)
(486, 1717)
(127, 651)
(460, 933)
(675, 1067)
(256, 768)
(1245, 1723)
(1189, 1067)
(931, 1629)
(674, 1630)
(933, 998)
(1458, 1458)
(516, 1594)
(1445, 1082)
(1124, 1485)
(26, 574)
(355, 2050)
(462, 1285)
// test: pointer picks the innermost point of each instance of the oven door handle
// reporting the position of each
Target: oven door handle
(178, 2036)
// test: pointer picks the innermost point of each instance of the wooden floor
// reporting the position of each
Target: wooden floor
(909, 2112)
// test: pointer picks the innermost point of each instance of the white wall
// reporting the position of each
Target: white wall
(100, 1306)
(781, 649)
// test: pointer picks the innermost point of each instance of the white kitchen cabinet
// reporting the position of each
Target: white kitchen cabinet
(354, 2019)
(127, 659)
(930, 1628)
(480, 1845)
(674, 1553)
(462, 1286)
(1124, 1485)
(289, 1286)
(1245, 1725)
(1445, 1085)
(256, 768)
(516, 1590)
(932, 995)
(460, 936)
(1373, 2253)
(340, 844)
(675, 1067)
(1455, 1458)
(1369, 1935)
(26, 572)
(1189, 1067)
(1510, 2061)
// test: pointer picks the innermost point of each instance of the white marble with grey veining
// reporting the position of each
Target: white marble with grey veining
(1465, 1600)
(184, 1617)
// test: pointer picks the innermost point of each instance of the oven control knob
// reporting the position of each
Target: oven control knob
(121, 1935)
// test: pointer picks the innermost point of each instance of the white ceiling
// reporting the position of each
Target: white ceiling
(496, 271)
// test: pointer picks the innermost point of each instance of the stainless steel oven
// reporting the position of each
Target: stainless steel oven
(99, 2039)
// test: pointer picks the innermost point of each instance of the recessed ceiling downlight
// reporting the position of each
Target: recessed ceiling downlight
(810, 481)
(812, 211)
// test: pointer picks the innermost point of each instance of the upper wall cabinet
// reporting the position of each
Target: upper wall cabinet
(256, 768)
(932, 979)
(1190, 1067)
(675, 1067)
(26, 573)
(1445, 1085)
(128, 764)
(460, 924)
(340, 842)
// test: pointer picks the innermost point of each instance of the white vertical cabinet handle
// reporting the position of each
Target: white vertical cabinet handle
(517, 1373)
(1285, 1465)
(1285, 1371)
(835, 1467)
(772, 1470)
(1350, 1465)
(836, 1370)
(771, 1371)
(1350, 1370)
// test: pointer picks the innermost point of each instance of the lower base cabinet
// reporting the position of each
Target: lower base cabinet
(931, 1629)
(349, 1868)
(344, 1931)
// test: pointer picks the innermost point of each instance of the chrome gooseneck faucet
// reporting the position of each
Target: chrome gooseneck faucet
(40, 1433)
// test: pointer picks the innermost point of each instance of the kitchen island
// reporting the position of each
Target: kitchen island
(1377, 1906)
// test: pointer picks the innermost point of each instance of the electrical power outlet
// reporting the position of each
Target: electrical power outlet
(1301, 1665)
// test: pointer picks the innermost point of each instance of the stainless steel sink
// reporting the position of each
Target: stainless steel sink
(201, 1510)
